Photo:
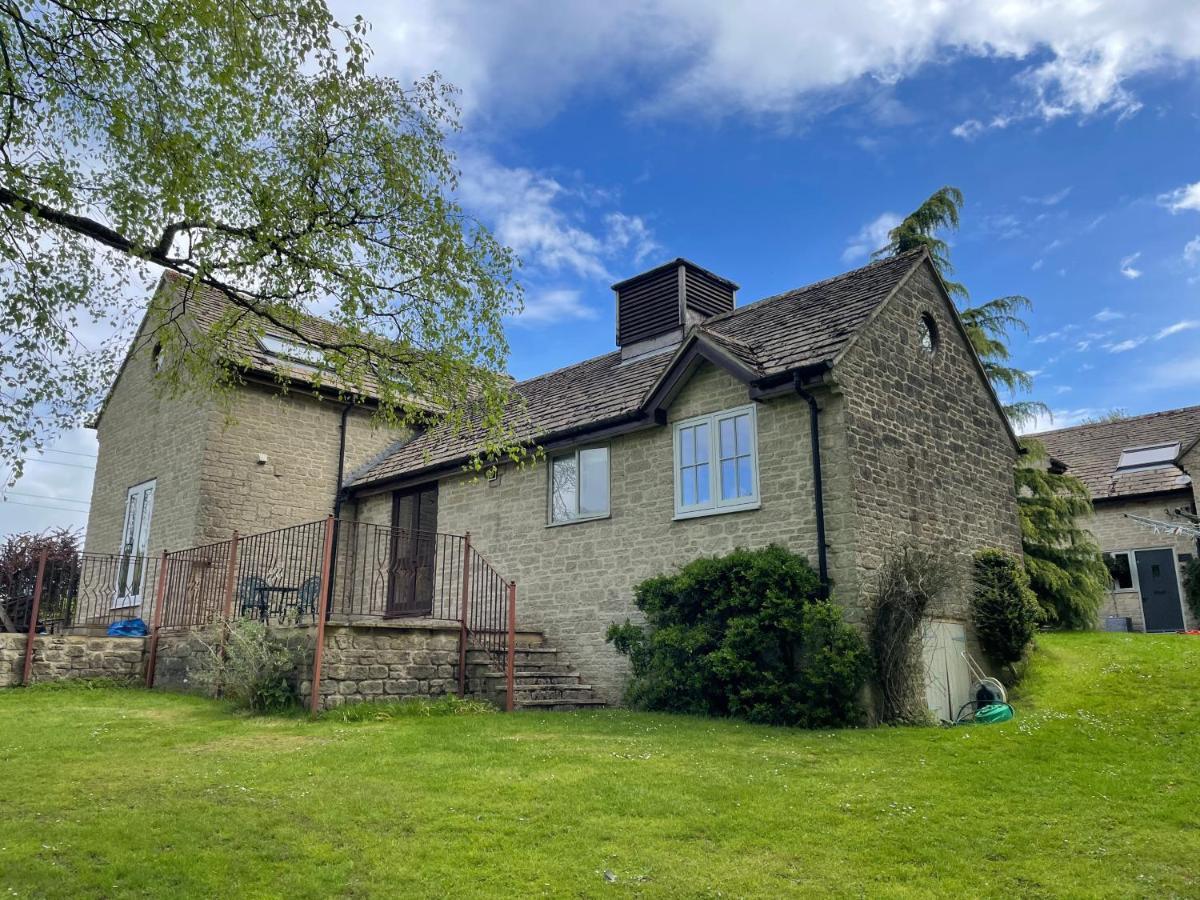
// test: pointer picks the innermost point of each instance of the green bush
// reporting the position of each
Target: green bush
(744, 635)
(1004, 608)
(254, 669)
(1191, 586)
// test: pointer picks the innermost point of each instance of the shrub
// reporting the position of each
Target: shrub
(907, 586)
(254, 669)
(1004, 608)
(1191, 586)
(744, 635)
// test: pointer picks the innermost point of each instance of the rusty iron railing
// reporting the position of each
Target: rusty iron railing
(387, 573)
(343, 571)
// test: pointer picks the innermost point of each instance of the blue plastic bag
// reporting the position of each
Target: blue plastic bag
(128, 628)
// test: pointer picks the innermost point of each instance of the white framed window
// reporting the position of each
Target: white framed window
(1120, 570)
(579, 482)
(135, 537)
(716, 463)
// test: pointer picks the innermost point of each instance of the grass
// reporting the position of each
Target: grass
(1092, 791)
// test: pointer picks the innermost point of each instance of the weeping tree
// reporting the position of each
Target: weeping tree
(1065, 566)
(249, 148)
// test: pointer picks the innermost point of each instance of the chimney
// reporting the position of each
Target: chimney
(655, 308)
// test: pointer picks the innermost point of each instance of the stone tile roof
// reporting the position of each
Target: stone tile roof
(1091, 452)
(205, 305)
(776, 335)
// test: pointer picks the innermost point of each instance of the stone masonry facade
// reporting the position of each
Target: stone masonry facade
(914, 451)
(268, 460)
(931, 465)
(1114, 532)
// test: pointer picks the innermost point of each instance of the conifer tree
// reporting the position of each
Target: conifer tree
(1065, 566)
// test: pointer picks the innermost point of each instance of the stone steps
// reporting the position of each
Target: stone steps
(542, 679)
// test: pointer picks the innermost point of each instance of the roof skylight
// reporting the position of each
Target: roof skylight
(1134, 458)
(283, 349)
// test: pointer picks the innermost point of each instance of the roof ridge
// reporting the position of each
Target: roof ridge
(878, 263)
(1124, 421)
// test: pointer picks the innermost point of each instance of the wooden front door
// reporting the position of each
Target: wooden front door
(413, 552)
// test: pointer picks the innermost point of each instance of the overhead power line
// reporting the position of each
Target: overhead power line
(70, 509)
(45, 497)
(57, 462)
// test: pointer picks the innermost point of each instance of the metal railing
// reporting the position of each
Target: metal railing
(393, 573)
(342, 571)
(87, 591)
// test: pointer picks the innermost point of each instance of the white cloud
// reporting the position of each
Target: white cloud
(780, 58)
(1062, 389)
(1127, 268)
(1191, 251)
(1186, 197)
(1125, 346)
(870, 237)
(968, 130)
(555, 305)
(1081, 346)
(554, 228)
(1058, 418)
(1107, 315)
(1037, 265)
(1185, 325)
(63, 473)
(1049, 199)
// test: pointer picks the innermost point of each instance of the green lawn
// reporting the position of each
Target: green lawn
(1093, 790)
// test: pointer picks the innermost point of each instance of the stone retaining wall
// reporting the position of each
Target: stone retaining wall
(60, 656)
(385, 661)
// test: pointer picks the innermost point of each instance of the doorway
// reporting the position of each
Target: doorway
(1159, 586)
(135, 538)
(413, 552)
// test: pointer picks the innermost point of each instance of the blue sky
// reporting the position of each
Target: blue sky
(775, 147)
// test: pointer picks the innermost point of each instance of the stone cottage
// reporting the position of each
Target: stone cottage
(1141, 472)
(844, 420)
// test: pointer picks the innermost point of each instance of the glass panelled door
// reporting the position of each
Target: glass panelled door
(135, 538)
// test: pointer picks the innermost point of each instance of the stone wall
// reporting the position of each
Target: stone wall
(58, 656)
(385, 661)
(931, 464)
(146, 435)
(205, 459)
(1113, 531)
(575, 580)
(298, 434)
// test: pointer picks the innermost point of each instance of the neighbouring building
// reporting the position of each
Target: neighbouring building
(844, 420)
(1141, 472)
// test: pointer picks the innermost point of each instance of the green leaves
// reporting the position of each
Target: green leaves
(247, 147)
(744, 635)
(988, 325)
(1004, 610)
(1066, 568)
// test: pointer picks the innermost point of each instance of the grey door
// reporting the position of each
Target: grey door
(1160, 590)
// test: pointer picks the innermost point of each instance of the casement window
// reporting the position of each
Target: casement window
(716, 463)
(135, 537)
(579, 485)
(1120, 569)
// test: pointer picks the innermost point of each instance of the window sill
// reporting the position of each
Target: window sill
(579, 521)
(716, 511)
